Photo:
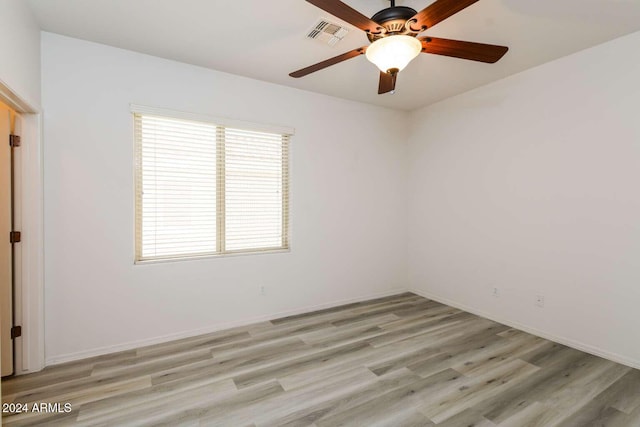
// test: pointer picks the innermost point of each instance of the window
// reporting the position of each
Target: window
(206, 188)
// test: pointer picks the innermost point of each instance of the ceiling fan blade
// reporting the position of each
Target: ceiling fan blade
(481, 52)
(347, 14)
(438, 11)
(329, 62)
(387, 82)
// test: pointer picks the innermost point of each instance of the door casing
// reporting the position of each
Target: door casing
(29, 307)
(7, 259)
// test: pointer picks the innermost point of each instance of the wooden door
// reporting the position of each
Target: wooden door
(6, 291)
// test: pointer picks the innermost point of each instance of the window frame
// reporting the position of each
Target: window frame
(221, 124)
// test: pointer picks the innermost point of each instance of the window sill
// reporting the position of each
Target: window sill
(211, 256)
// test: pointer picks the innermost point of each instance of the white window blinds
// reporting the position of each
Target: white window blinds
(206, 189)
(255, 183)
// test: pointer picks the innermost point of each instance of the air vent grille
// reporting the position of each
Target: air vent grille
(327, 32)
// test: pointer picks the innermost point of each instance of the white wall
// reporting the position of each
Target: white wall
(20, 50)
(531, 185)
(348, 203)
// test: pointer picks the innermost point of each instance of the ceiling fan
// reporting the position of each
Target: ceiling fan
(393, 33)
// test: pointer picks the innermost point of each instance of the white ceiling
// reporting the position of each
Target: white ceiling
(266, 40)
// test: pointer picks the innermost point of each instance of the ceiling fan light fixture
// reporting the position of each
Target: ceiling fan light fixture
(394, 52)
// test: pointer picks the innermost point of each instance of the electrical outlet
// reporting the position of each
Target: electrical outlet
(496, 292)
(262, 290)
(540, 300)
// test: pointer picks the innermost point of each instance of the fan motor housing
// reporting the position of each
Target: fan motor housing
(394, 21)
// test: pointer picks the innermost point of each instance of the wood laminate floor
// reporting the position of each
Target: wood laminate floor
(397, 361)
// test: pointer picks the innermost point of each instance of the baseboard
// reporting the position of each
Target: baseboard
(546, 335)
(70, 357)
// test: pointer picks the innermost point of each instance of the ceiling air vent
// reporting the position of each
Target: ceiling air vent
(327, 32)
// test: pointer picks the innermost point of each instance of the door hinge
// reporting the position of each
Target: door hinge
(14, 140)
(16, 332)
(14, 237)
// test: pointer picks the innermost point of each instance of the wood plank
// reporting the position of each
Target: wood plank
(445, 405)
(320, 398)
(385, 407)
(561, 367)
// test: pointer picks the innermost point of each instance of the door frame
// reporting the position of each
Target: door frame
(29, 287)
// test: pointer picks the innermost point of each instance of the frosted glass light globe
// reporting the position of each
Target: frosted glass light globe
(393, 52)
